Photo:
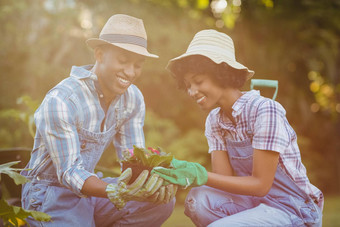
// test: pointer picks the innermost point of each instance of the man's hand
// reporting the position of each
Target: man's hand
(155, 191)
(183, 173)
(164, 194)
(119, 193)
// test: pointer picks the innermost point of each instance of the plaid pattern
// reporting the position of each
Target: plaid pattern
(270, 131)
(73, 105)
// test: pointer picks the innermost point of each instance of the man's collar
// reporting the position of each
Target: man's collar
(83, 72)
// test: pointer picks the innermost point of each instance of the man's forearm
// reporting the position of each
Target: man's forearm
(93, 186)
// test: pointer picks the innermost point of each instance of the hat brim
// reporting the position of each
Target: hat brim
(94, 42)
(217, 59)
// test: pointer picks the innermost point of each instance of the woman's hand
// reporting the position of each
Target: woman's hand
(183, 173)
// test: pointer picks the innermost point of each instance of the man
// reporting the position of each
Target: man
(77, 120)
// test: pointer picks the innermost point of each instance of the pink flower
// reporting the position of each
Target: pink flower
(154, 150)
(131, 152)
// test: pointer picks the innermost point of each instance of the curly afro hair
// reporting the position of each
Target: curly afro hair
(222, 73)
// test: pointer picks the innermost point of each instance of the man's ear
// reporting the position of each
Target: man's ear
(98, 54)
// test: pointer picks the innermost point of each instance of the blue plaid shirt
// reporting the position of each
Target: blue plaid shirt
(72, 104)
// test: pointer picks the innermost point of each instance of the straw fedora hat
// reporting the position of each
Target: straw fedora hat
(123, 31)
(216, 46)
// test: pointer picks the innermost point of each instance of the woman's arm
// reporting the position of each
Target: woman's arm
(258, 184)
(220, 163)
(193, 174)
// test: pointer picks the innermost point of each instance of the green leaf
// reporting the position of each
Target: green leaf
(157, 160)
(14, 213)
(40, 216)
(150, 159)
(139, 154)
(7, 169)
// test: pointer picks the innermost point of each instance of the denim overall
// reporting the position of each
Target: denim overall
(44, 193)
(285, 204)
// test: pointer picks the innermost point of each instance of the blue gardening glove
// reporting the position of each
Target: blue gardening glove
(140, 190)
(183, 173)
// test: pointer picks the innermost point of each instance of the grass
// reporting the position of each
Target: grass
(331, 211)
(331, 214)
(178, 218)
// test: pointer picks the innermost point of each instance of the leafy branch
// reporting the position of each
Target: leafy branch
(14, 215)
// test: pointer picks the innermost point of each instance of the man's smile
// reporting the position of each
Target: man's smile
(124, 82)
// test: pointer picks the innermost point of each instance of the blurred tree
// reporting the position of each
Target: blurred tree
(298, 43)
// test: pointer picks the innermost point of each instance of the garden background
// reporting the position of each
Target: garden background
(294, 42)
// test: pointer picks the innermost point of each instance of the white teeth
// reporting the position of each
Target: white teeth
(200, 100)
(123, 81)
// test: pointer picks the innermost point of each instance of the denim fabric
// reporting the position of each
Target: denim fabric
(285, 204)
(71, 118)
(265, 121)
(45, 193)
(67, 209)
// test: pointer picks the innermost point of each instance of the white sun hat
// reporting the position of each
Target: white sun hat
(216, 46)
(123, 31)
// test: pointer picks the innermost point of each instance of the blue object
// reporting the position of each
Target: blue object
(265, 83)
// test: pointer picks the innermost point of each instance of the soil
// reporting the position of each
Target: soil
(136, 170)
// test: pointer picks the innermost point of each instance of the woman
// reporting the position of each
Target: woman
(257, 176)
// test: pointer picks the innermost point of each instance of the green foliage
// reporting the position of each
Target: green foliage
(12, 172)
(157, 129)
(26, 115)
(192, 147)
(148, 157)
(294, 42)
(12, 215)
(298, 44)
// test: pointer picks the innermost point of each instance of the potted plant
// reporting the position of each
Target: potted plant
(139, 159)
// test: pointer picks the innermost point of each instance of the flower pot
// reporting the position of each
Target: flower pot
(136, 168)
